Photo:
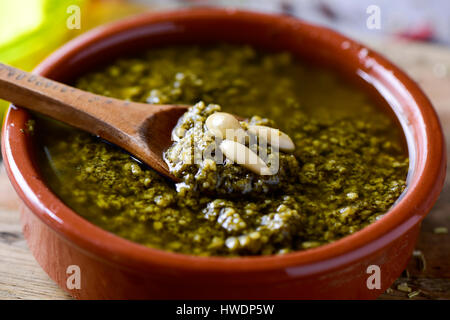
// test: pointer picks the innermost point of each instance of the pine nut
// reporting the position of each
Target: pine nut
(242, 155)
(225, 126)
(274, 137)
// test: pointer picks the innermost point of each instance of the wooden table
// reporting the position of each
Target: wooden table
(22, 278)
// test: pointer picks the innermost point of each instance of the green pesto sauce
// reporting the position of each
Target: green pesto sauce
(347, 170)
(195, 157)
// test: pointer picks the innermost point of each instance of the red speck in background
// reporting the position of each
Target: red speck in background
(423, 32)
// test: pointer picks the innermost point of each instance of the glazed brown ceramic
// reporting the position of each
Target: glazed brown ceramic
(144, 130)
(112, 267)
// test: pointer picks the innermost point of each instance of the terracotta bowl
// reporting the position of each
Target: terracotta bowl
(112, 267)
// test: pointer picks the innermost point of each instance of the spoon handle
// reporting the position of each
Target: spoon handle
(76, 107)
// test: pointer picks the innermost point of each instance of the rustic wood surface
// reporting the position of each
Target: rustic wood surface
(22, 278)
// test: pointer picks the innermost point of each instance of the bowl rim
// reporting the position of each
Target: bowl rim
(409, 211)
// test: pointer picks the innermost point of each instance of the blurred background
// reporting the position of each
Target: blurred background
(31, 29)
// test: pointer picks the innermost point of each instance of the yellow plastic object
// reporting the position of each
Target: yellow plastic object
(31, 29)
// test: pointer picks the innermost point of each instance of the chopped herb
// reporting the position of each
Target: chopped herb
(404, 287)
(440, 230)
(413, 294)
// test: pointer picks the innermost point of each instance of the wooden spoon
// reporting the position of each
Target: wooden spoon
(142, 129)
